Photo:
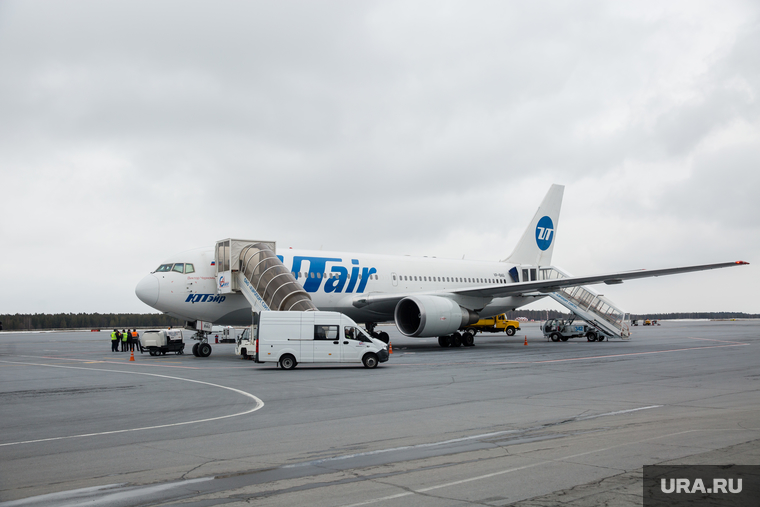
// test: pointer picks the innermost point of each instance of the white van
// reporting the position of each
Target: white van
(289, 338)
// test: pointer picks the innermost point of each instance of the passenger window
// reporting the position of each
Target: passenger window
(325, 332)
(179, 267)
(189, 268)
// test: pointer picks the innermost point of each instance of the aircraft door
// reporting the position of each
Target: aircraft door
(394, 279)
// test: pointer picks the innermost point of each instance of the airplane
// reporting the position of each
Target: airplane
(423, 296)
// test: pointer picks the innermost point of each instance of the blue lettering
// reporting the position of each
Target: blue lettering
(365, 278)
(316, 265)
(189, 298)
(336, 284)
(354, 276)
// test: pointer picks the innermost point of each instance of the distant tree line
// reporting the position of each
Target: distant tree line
(696, 315)
(22, 322)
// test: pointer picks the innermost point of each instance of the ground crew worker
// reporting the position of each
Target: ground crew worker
(124, 340)
(135, 340)
(115, 341)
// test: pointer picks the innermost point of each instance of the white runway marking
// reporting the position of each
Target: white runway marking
(509, 470)
(457, 440)
(258, 401)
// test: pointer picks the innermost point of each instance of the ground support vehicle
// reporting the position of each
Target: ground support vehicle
(223, 334)
(244, 345)
(289, 338)
(159, 342)
(559, 329)
(494, 325)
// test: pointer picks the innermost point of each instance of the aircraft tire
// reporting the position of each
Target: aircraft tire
(204, 350)
(468, 339)
(510, 331)
(600, 338)
(152, 352)
(287, 362)
(383, 337)
(456, 340)
(444, 341)
(370, 360)
(195, 349)
(555, 337)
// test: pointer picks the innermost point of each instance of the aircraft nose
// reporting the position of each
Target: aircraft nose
(147, 290)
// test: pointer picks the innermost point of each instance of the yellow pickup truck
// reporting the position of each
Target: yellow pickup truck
(494, 325)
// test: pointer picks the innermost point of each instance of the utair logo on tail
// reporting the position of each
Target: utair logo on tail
(544, 233)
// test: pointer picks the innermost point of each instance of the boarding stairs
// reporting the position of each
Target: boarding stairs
(253, 269)
(590, 306)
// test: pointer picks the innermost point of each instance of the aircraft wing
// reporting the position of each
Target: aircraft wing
(385, 302)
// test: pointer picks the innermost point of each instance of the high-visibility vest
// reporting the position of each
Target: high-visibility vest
(124, 337)
(113, 335)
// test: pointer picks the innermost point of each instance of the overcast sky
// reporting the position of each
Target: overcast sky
(133, 130)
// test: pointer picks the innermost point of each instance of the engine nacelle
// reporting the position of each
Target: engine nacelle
(431, 316)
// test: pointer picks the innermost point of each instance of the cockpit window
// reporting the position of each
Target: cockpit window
(164, 267)
(189, 268)
(179, 267)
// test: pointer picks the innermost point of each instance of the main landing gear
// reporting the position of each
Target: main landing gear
(382, 335)
(466, 339)
(203, 347)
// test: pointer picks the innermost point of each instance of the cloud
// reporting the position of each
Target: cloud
(133, 130)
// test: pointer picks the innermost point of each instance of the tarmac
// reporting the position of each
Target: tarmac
(497, 424)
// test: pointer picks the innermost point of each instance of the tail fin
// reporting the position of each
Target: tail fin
(537, 243)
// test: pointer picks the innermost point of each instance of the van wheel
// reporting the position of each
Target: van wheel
(370, 360)
(600, 338)
(195, 350)
(204, 350)
(555, 337)
(510, 331)
(564, 338)
(383, 337)
(287, 362)
(468, 339)
(152, 352)
(444, 341)
(591, 337)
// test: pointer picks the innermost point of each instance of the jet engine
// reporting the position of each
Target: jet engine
(431, 316)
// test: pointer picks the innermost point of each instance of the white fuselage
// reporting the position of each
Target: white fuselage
(333, 279)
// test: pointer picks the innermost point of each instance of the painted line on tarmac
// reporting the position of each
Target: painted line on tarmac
(516, 469)
(259, 404)
(714, 340)
(137, 363)
(542, 361)
(462, 439)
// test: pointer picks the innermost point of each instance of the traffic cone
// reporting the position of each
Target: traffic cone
(526, 340)
(390, 348)
(132, 356)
